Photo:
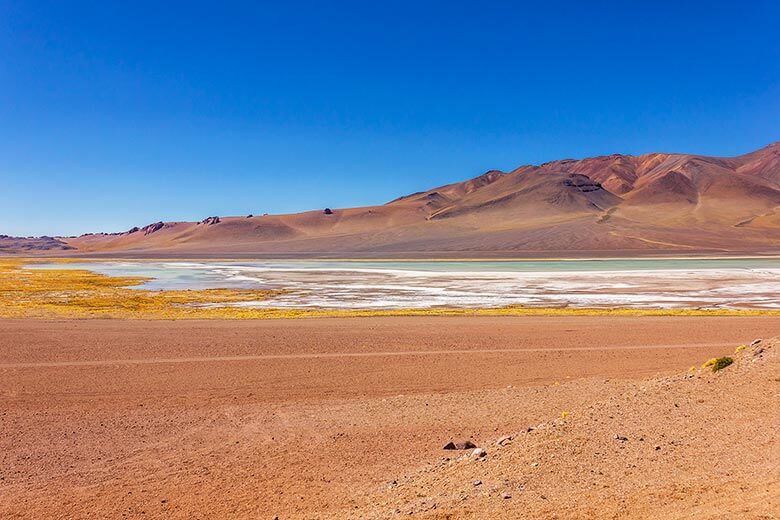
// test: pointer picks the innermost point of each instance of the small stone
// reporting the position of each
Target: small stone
(479, 453)
(506, 439)
(460, 445)
(619, 438)
(534, 464)
(505, 495)
(755, 342)
(477, 483)
(657, 448)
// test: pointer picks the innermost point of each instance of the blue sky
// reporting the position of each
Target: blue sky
(115, 114)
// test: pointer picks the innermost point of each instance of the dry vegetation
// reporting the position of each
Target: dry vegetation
(720, 363)
(79, 293)
(52, 293)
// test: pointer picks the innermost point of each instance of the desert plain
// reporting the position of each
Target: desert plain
(597, 417)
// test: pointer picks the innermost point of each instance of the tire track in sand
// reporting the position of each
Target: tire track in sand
(321, 355)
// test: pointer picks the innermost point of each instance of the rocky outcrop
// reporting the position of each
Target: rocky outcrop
(153, 228)
(210, 221)
(582, 183)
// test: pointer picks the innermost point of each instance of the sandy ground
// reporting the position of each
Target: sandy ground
(346, 418)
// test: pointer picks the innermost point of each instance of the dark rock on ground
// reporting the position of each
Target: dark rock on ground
(460, 445)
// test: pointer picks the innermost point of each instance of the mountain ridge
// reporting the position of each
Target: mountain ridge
(642, 204)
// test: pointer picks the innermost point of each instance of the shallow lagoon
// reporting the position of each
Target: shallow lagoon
(636, 283)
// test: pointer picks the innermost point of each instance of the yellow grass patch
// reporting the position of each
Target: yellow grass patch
(70, 293)
(83, 294)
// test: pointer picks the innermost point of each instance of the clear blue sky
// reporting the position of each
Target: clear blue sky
(120, 115)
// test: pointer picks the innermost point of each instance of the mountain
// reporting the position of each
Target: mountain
(610, 205)
(10, 244)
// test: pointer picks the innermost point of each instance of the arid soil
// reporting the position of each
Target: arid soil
(696, 445)
(346, 418)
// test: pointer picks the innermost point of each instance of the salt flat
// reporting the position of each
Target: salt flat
(746, 283)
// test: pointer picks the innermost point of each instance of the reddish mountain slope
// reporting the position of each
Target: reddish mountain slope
(612, 204)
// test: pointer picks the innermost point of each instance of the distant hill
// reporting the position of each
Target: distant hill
(13, 245)
(616, 204)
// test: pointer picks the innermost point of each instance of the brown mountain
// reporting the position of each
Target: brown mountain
(616, 204)
(33, 245)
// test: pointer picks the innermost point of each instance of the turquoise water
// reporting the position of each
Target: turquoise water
(734, 283)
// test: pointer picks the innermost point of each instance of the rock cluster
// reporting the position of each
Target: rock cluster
(153, 228)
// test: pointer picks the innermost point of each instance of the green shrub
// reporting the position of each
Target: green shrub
(721, 362)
